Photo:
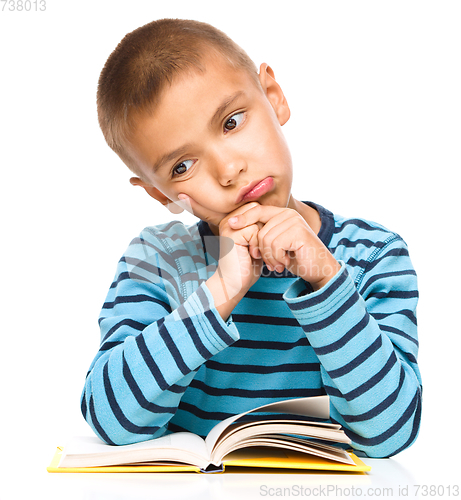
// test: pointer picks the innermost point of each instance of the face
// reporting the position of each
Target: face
(213, 137)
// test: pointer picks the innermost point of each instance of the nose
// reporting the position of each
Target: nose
(228, 167)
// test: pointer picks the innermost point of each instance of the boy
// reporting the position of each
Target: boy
(267, 297)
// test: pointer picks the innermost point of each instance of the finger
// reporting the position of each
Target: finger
(241, 210)
(254, 242)
(276, 243)
(272, 263)
(268, 256)
(247, 236)
(224, 223)
(259, 213)
(255, 253)
(246, 207)
(283, 217)
(281, 226)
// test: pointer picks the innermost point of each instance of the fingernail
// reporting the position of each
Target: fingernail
(233, 220)
(182, 196)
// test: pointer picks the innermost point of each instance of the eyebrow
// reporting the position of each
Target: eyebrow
(168, 157)
(225, 104)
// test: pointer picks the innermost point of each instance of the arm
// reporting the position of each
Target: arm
(363, 332)
(159, 325)
(364, 335)
(152, 344)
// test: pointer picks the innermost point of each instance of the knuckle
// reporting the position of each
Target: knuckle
(247, 207)
(277, 241)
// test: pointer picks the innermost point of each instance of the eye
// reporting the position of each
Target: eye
(183, 167)
(234, 121)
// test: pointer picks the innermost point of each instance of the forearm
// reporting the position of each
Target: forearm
(368, 368)
(225, 298)
(135, 384)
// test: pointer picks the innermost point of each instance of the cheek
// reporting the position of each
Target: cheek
(268, 141)
(210, 204)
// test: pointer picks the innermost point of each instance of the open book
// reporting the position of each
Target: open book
(281, 439)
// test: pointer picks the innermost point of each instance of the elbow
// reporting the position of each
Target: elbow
(114, 425)
(394, 438)
(99, 425)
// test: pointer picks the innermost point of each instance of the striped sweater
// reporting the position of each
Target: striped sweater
(168, 362)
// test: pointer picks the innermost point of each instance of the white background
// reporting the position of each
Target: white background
(374, 89)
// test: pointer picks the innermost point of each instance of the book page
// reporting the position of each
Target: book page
(224, 446)
(317, 407)
(330, 453)
(90, 451)
(237, 427)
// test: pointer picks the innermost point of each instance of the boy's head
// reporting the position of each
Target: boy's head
(147, 61)
(185, 108)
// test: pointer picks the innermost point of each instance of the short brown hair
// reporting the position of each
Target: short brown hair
(145, 61)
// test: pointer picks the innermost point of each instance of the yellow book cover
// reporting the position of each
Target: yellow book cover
(251, 460)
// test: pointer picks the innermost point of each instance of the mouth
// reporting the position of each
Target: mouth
(255, 190)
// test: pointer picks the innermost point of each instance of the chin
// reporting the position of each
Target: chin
(275, 200)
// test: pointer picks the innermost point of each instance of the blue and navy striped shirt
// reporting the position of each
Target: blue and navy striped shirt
(168, 362)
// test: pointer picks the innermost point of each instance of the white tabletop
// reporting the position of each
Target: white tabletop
(408, 475)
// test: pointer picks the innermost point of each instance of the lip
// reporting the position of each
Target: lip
(255, 190)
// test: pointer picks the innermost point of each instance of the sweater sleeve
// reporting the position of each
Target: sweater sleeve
(364, 334)
(152, 344)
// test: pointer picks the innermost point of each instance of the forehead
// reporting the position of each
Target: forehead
(203, 88)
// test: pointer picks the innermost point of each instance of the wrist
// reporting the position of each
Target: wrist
(225, 297)
(328, 271)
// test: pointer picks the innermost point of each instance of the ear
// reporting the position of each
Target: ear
(157, 195)
(274, 93)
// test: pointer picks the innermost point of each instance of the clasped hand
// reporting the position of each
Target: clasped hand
(281, 238)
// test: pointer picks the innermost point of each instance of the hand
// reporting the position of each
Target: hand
(287, 241)
(240, 263)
